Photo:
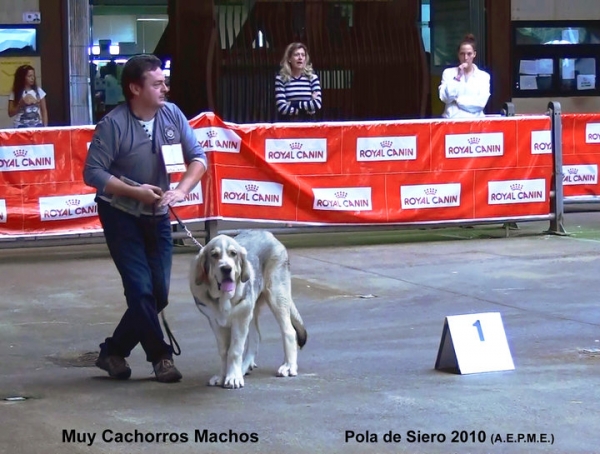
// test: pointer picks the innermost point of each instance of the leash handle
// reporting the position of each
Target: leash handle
(172, 341)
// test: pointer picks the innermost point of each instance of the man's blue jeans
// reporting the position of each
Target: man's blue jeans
(142, 249)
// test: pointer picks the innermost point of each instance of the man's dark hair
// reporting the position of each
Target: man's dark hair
(134, 71)
(111, 68)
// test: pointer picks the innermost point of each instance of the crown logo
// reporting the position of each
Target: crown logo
(295, 145)
(431, 191)
(252, 187)
(20, 153)
(573, 171)
(73, 202)
(516, 186)
(340, 194)
(387, 144)
(211, 134)
(474, 140)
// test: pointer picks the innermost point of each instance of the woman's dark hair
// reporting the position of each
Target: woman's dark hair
(134, 71)
(468, 39)
(19, 81)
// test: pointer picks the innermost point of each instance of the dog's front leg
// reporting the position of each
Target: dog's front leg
(239, 333)
(223, 335)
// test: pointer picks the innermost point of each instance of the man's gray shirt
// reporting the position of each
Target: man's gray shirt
(121, 147)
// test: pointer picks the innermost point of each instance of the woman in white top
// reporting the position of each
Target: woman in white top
(27, 101)
(465, 89)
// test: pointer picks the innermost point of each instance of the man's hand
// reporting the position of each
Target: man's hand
(148, 194)
(171, 197)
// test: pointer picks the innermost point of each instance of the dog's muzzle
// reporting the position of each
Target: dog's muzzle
(227, 284)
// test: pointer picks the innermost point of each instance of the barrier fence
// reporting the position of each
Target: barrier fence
(581, 156)
(421, 172)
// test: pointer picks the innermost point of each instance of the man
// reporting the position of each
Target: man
(113, 94)
(134, 149)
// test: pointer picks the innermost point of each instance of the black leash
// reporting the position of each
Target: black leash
(183, 226)
(172, 341)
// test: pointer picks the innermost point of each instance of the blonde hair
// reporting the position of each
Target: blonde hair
(286, 70)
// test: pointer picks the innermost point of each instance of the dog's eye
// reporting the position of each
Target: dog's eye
(233, 253)
(214, 254)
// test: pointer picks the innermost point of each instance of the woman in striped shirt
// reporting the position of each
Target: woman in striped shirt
(297, 87)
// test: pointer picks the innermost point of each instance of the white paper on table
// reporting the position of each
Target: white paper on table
(528, 67)
(586, 81)
(568, 69)
(545, 66)
(528, 83)
(570, 35)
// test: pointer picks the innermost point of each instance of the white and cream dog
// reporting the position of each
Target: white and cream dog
(230, 280)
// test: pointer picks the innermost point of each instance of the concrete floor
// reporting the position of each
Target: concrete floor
(374, 314)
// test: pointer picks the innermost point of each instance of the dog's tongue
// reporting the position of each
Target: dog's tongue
(227, 286)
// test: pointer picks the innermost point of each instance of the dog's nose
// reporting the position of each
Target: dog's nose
(226, 270)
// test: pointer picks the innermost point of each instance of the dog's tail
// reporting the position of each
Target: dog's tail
(301, 334)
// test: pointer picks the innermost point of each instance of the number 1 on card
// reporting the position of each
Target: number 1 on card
(477, 325)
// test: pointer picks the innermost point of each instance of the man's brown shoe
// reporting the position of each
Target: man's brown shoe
(165, 371)
(116, 366)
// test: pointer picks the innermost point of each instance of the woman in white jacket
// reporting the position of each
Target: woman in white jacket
(465, 89)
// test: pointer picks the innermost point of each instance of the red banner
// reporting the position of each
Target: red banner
(581, 155)
(322, 173)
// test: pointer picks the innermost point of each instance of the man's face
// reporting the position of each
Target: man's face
(152, 93)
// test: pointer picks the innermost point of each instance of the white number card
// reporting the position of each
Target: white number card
(173, 157)
(473, 343)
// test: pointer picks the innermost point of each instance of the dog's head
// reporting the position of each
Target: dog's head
(222, 265)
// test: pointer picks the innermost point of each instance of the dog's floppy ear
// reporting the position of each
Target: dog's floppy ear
(247, 272)
(201, 274)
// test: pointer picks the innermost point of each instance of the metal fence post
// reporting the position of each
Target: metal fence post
(508, 109)
(556, 190)
(212, 229)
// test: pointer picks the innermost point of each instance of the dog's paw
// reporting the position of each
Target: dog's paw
(288, 370)
(216, 380)
(233, 382)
